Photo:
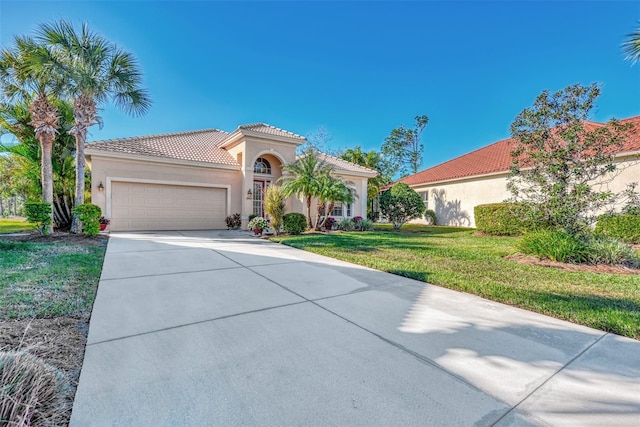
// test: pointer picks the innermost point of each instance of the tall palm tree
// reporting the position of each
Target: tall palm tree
(631, 46)
(27, 74)
(95, 71)
(302, 178)
(16, 120)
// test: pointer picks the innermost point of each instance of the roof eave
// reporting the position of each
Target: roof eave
(165, 160)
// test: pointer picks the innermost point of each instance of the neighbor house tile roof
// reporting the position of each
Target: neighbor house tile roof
(343, 165)
(496, 158)
(198, 146)
(270, 130)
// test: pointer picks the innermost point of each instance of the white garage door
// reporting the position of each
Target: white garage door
(139, 207)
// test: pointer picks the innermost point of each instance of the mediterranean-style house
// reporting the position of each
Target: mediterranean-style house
(194, 180)
(454, 188)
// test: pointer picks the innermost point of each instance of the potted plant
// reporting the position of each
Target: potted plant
(233, 221)
(258, 224)
(330, 223)
(103, 223)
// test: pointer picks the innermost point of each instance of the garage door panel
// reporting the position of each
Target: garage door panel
(141, 206)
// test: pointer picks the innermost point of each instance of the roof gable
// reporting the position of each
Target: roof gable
(496, 158)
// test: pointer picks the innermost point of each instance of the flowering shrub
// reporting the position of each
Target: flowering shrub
(357, 219)
(330, 221)
(258, 223)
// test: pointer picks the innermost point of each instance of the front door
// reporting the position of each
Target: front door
(258, 196)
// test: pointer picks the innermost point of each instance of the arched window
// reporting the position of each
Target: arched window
(262, 166)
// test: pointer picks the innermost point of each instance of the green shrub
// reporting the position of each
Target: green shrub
(625, 227)
(556, 245)
(366, 225)
(400, 204)
(233, 221)
(430, 217)
(89, 214)
(39, 213)
(502, 219)
(258, 223)
(346, 225)
(252, 216)
(608, 250)
(31, 392)
(294, 223)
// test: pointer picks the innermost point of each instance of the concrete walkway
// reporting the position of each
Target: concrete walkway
(220, 328)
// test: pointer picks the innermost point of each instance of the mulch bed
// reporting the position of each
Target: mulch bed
(600, 268)
(55, 237)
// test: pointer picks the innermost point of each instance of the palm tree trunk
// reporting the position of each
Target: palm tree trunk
(84, 113)
(329, 210)
(321, 212)
(309, 225)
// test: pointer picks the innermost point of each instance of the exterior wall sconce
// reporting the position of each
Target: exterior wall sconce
(249, 195)
(100, 186)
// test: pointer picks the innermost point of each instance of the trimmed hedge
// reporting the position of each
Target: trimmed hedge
(501, 219)
(38, 213)
(89, 214)
(625, 227)
(294, 223)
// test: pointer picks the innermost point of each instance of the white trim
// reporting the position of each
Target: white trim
(110, 179)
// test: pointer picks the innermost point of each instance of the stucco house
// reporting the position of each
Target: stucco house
(453, 188)
(193, 180)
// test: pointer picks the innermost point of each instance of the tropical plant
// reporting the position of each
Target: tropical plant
(294, 223)
(332, 190)
(365, 225)
(557, 157)
(94, 71)
(274, 205)
(400, 204)
(303, 178)
(258, 224)
(372, 160)
(26, 157)
(346, 225)
(430, 216)
(403, 150)
(26, 75)
(631, 46)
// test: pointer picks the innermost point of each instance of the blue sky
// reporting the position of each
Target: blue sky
(358, 69)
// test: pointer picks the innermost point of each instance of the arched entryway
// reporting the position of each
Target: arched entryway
(267, 169)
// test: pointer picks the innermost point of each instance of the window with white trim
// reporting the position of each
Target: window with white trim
(262, 166)
(424, 195)
(342, 209)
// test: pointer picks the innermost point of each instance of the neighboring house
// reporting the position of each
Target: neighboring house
(453, 188)
(193, 180)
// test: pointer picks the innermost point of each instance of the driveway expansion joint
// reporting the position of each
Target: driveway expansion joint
(170, 273)
(562, 368)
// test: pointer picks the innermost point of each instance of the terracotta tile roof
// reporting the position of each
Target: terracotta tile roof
(198, 146)
(341, 165)
(496, 158)
(270, 130)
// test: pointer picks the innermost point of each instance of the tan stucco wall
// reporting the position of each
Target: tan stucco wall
(104, 170)
(454, 202)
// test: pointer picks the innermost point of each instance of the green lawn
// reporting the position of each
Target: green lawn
(48, 279)
(454, 258)
(14, 225)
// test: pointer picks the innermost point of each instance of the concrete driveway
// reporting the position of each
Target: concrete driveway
(220, 328)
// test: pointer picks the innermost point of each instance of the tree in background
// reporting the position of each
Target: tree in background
(403, 150)
(631, 46)
(94, 71)
(302, 178)
(400, 204)
(318, 140)
(274, 206)
(372, 160)
(26, 75)
(558, 157)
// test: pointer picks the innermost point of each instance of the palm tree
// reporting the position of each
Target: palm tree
(631, 46)
(302, 178)
(372, 160)
(95, 71)
(16, 120)
(334, 191)
(28, 75)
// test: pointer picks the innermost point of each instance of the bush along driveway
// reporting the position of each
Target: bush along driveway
(457, 259)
